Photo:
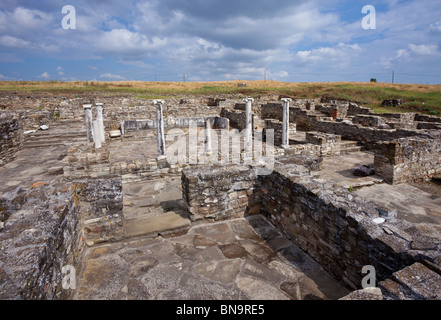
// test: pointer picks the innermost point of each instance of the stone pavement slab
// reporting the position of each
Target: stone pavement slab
(219, 261)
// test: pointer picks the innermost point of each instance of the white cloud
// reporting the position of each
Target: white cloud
(2, 77)
(23, 20)
(127, 44)
(423, 49)
(435, 27)
(44, 75)
(60, 71)
(279, 74)
(339, 52)
(13, 42)
(110, 76)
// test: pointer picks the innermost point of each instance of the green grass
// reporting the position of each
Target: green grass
(371, 97)
(418, 98)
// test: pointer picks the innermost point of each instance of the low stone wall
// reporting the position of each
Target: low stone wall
(336, 227)
(426, 118)
(237, 118)
(11, 133)
(220, 192)
(416, 282)
(277, 126)
(369, 121)
(86, 161)
(41, 235)
(354, 109)
(408, 159)
(340, 110)
(298, 116)
(136, 125)
(330, 144)
(400, 117)
(429, 125)
(101, 204)
(400, 120)
(366, 135)
(272, 111)
(306, 149)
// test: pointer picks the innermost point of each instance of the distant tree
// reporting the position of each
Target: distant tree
(373, 80)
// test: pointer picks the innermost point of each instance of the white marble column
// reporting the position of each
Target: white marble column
(249, 124)
(160, 127)
(96, 131)
(99, 117)
(88, 119)
(207, 143)
(285, 127)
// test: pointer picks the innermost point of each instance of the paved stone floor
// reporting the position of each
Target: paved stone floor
(235, 259)
(40, 159)
(415, 205)
(337, 169)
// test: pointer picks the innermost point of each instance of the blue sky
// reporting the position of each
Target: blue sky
(211, 40)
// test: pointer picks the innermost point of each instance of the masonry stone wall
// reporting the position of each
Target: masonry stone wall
(330, 144)
(426, 118)
(11, 133)
(277, 126)
(220, 192)
(369, 121)
(272, 111)
(356, 132)
(429, 126)
(101, 204)
(137, 125)
(41, 235)
(335, 226)
(400, 120)
(408, 159)
(237, 118)
(355, 109)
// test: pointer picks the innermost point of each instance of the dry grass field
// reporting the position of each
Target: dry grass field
(417, 97)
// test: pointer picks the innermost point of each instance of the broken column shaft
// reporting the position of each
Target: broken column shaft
(160, 127)
(88, 119)
(249, 124)
(285, 126)
(99, 117)
(96, 131)
(207, 131)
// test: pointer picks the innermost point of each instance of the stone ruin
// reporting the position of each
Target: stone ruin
(158, 170)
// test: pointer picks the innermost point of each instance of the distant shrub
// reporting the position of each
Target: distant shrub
(373, 80)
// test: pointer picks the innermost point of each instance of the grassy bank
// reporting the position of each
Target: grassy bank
(418, 98)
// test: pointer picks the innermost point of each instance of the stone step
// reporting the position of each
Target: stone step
(152, 200)
(350, 146)
(46, 143)
(349, 143)
(56, 139)
(168, 224)
(57, 134)
(348, 150)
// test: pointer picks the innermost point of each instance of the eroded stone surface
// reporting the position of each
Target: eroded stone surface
(209, 262)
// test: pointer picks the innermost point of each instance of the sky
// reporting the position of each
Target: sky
(216, 40)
